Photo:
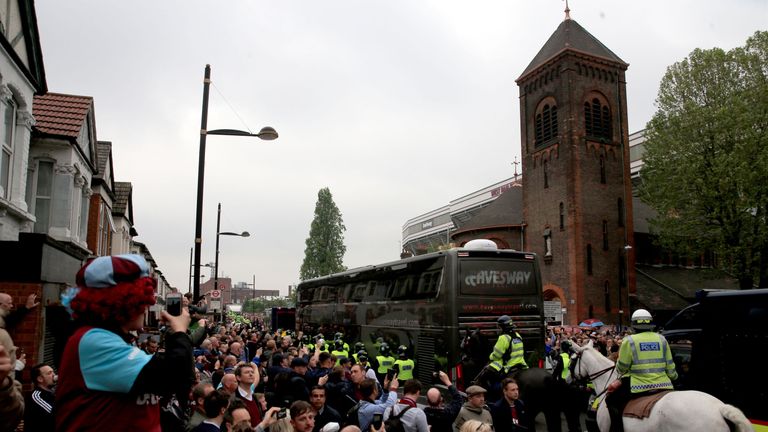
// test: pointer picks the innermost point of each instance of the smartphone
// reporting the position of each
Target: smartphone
(173, 303)
(390, 374)
(377, 419)
(282, 413)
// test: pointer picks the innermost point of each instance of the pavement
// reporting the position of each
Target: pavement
(541, 424)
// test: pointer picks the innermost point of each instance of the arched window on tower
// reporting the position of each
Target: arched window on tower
(607, 295)
(545, 123)
(605, 235)
(545, 170)
(602, 169)
(620, 205)
(597, 120)
(562, 217)
(589, 259)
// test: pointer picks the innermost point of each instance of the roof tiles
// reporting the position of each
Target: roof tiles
(60, 114)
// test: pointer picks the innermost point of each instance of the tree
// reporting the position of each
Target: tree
(325, 249)
(706, 158)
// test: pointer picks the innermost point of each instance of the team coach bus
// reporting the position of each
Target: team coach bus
(429, 303)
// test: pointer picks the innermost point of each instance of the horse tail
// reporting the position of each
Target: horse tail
(736, 419)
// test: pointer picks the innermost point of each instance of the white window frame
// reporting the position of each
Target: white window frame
(36, 197)
(8, 136)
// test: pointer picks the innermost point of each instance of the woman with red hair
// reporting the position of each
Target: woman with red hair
(104, 382)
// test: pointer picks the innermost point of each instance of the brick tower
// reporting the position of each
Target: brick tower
(577, 194)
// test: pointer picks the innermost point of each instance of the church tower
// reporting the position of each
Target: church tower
(577, 194)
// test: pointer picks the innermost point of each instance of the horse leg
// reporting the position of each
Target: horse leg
(552, 416)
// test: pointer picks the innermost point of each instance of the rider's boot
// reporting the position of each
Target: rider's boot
(617, 423)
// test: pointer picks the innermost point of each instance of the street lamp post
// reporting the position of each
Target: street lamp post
(219, 234)
(266, 133)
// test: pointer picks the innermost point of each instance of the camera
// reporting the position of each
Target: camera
(282, 413)
(436, 375)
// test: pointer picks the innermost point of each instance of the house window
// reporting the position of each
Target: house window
(44, 191)
(602, 169)
(84, 202)
(607, 295)
(597, 119)
(545, 168)
(605, 235)
(562, 217)
(589, 259)
(6, 153)
(546, 123)
(620, 205)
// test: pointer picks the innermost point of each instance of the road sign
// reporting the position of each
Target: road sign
(216, 305)
(215, 294)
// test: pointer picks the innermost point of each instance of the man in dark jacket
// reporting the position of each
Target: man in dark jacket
(440, 416)
(509, 413)
(324, 413)
(38, 414)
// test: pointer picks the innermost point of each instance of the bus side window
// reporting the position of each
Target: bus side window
(332, 294)
(359, 292)
(317, 294)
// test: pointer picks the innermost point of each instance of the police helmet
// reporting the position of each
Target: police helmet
(642, 320)
(359, 346)
(402, 350)
(384, 349)
(338, 344)
(565, 346)
(505, 323)
(338, 335)
(319, 336)
(362, 356)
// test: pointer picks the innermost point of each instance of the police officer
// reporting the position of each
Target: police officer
(339, 351)
(567, 394)
(340, 336)
(403, 364)
(508, 354)
(359, 346)
(646, 365)
(385, 361)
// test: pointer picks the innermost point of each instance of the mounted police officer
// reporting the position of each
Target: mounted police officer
(508, 356)
(646, 365)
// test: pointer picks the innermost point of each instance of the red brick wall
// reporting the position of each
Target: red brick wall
(574, 180)
(94, 210)
(28, 334)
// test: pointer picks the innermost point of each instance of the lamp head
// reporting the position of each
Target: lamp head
(267, 133)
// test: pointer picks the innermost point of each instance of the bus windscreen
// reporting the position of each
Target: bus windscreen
(497, 277)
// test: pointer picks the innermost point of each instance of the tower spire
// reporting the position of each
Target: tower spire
(567, 11)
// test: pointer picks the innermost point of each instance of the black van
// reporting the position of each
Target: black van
(719, 343)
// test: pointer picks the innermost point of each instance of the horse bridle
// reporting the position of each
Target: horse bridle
(597, 374)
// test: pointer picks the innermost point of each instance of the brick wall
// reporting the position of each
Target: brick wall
(573, 179)
(28, 334)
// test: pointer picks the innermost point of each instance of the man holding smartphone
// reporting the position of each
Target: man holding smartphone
(411, 416)
(372, 403)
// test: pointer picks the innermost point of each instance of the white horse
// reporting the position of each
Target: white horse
(678, 411)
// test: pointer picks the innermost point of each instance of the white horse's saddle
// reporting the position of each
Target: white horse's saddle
(641, 407)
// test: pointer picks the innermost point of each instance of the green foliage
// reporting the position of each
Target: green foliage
(706, 158)
(325, 249)
(258, 305)
(237, 318)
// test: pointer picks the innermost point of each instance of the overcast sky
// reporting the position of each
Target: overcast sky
(397, 106)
